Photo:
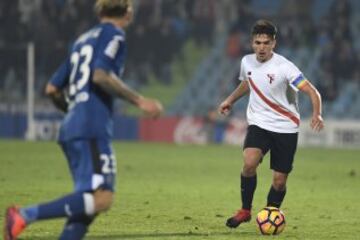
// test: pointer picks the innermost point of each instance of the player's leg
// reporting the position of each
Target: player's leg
(283, 148)
(86, 163)
(81, 201)
(101, 179)
(277, 190)
(255, 147)
(76, 228)
(75, 204)
(252, 157)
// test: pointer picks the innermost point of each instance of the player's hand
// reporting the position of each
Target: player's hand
(317, 123)
(225, 107)
(152, 107)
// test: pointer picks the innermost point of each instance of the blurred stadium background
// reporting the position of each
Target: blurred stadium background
(186, 53)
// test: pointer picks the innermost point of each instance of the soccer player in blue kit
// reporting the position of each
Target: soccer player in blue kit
(90, 76)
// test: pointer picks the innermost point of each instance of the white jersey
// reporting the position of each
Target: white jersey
(273, 93)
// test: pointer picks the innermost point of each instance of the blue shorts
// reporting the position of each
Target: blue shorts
(92, 164)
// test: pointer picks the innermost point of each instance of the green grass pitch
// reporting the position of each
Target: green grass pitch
(187, 192)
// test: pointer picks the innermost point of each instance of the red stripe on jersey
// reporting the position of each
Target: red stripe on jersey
(274, 106)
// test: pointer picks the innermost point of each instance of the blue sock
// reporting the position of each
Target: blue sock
(76, 228)
(69, 206)
(30, 214)
(74, 231)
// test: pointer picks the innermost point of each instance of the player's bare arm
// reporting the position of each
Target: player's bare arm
(317, 122)
(57, 96)
(113, 85)
(240, 91)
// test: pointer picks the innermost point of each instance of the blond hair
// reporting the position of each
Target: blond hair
(112, 8)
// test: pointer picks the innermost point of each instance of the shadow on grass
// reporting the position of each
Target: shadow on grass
(158, 235)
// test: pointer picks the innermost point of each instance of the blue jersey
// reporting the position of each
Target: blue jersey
(90, 108)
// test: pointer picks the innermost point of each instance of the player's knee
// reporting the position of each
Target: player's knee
(103, 200)
(279, 183)
(249, 170)
(251, 162)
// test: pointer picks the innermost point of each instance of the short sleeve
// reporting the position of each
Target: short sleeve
(61, 77)
(111, 51)
(242, 75)
(294, 76)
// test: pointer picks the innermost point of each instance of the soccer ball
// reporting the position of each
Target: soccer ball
(271, 221)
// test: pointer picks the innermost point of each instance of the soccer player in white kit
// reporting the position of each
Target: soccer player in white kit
(272, 114)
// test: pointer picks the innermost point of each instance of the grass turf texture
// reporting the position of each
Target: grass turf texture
(187, 192)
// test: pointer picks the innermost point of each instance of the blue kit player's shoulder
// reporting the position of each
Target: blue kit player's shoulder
(111, 49)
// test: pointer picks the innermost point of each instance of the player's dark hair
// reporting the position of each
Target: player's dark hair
(264, 27)
(112, 8)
